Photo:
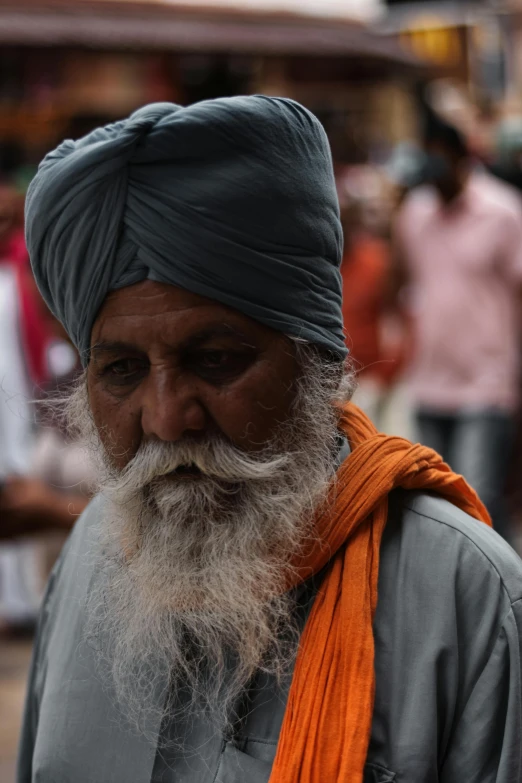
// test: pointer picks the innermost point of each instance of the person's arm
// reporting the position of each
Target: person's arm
(395, 323)
(30, 506)
(486, 743)
(510, 255)
(398, 276)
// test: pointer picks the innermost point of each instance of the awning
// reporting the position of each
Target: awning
(154, 26)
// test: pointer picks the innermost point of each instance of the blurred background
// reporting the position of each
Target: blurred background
(376, 73)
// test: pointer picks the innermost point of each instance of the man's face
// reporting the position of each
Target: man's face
(169, 365)
(443, 169)
(219, 441)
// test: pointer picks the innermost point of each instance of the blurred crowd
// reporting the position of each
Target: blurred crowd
(432, 277)
(44, 481)
(432, 273)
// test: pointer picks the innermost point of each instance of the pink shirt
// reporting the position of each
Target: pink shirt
(465, 264)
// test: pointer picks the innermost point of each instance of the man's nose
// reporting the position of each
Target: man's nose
(170, 406)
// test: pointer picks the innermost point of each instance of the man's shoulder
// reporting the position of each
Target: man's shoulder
(416, 212)
(70, 579)
(87, 522)
(448, 640)
(441, 542)
(75, 561)
(497, 195)
(420, 199)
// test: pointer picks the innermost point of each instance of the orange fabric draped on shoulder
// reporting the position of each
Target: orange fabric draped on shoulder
(327, 723)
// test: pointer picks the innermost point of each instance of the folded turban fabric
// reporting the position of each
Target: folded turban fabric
(233, 199)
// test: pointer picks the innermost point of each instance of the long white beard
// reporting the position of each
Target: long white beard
(195, 572)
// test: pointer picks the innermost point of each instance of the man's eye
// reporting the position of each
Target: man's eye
(216, 358)
(124, 370)
(218, 365)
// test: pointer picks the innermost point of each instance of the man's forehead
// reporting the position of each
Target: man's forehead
(150, 309)
(161, 297)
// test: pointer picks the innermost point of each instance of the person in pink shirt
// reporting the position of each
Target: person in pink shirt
(459, 264)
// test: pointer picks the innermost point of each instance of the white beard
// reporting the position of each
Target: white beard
(196, 571)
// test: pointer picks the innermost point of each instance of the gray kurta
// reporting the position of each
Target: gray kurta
(448, 705)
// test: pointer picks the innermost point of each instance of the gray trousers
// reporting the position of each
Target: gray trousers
(477, 445)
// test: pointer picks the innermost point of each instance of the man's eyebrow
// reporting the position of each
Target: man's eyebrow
(116, 346)
(222, 330)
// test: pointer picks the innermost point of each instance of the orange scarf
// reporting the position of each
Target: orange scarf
(327, 723)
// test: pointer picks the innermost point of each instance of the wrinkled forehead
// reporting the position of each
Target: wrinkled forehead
(150, 312)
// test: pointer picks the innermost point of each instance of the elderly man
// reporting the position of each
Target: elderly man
(265, 588)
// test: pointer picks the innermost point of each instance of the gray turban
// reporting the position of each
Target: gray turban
(233, 199)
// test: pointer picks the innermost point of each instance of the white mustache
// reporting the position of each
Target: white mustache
(215, 458)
